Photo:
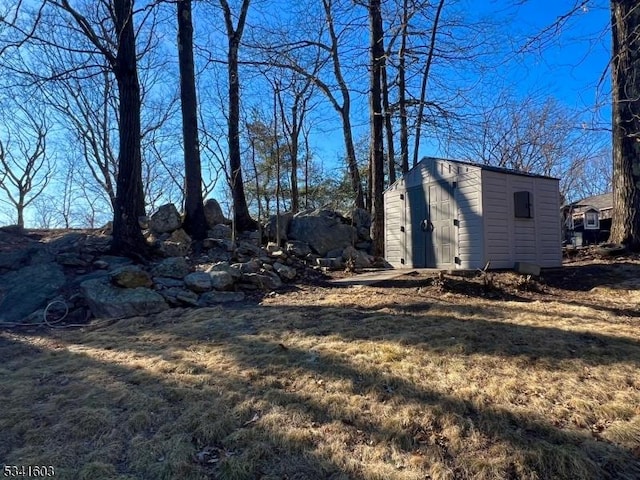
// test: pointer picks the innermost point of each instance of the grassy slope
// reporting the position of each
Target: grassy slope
(348, 383)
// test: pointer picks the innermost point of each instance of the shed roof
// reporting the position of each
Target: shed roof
(481, 166)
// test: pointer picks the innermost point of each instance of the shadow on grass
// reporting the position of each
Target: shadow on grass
(253, 337)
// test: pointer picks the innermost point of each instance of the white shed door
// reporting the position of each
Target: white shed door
(431, 217)
(441, 208)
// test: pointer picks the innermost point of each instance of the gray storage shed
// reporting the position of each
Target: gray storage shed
(458, 215)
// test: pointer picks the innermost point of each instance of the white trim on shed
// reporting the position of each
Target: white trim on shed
(452, 214)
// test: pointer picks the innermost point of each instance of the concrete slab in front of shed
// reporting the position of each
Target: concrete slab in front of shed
(373, 277)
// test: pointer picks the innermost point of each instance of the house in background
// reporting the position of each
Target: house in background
(459, 215)
(588, 221)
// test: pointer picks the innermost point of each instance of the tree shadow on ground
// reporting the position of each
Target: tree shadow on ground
(255, 338)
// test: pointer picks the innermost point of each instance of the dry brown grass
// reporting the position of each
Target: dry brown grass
(367, 383)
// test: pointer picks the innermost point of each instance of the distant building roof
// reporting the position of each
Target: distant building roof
(601, 202)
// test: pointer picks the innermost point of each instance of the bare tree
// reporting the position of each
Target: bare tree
(107, 31)
(242, 218)
(625, 74)
(26, 169)
(376, 165)
(195, 222)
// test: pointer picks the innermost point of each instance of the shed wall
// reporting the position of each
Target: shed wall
(509, 239)
(394, 238)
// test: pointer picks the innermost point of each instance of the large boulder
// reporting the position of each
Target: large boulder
(322, 230)
(220, 280)
(173, 267)
(198, 282)
(28, 289)
(131, 276)
(177, 245)
(359, 258)
(265, 281)
(213, 213)
(297, 248)
(362, 223)
(165, 219)
(108, 301)
(278, 223)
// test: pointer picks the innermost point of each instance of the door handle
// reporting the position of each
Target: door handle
(426, 226)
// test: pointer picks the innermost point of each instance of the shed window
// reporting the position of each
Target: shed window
(523, 204)
(591, 220)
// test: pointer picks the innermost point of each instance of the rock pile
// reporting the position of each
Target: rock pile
(75, 270)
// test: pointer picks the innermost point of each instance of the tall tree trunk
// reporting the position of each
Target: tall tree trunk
(425, 77)
(388, 126)
(129, 203)
(345, 109)
(377, 148)
(625, 23)
(402, 91)
(242, 219)
(195, 223)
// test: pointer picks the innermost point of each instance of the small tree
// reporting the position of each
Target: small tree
(26, 169)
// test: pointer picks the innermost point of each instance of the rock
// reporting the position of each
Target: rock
(266, 281)
(100, 264)
(220, 231)
(212, 298)
(72, 259)
(323, 230)
(198, 282)
(297, 248)
(245, 248)
(362, 222)
(177, 245)
(282, 221)
(113, 261)
(28, 289)
(187, 297)
(330, 263)
(336, 252)
(14, 260)
(360, 259)
(143, 221)
(235, 273)
(131, 276)
(167, 282)
(363, 246)
(220, 280)
(68, 242)
(165, 219)
(213, 213)
(173, 267)
(285, 273)
(252, 266)
(108, 301)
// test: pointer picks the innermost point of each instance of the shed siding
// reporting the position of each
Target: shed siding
(510, 239)
(496, 209)
(468, 197)
(394, 240)
(548, 223)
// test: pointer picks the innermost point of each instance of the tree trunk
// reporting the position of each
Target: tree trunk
(352, 163)
(388, 125)
(377, 148)
(423, 86)
(129, 204)
(241, 217)
(402, 91)
(625, 22)
(195, 223)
